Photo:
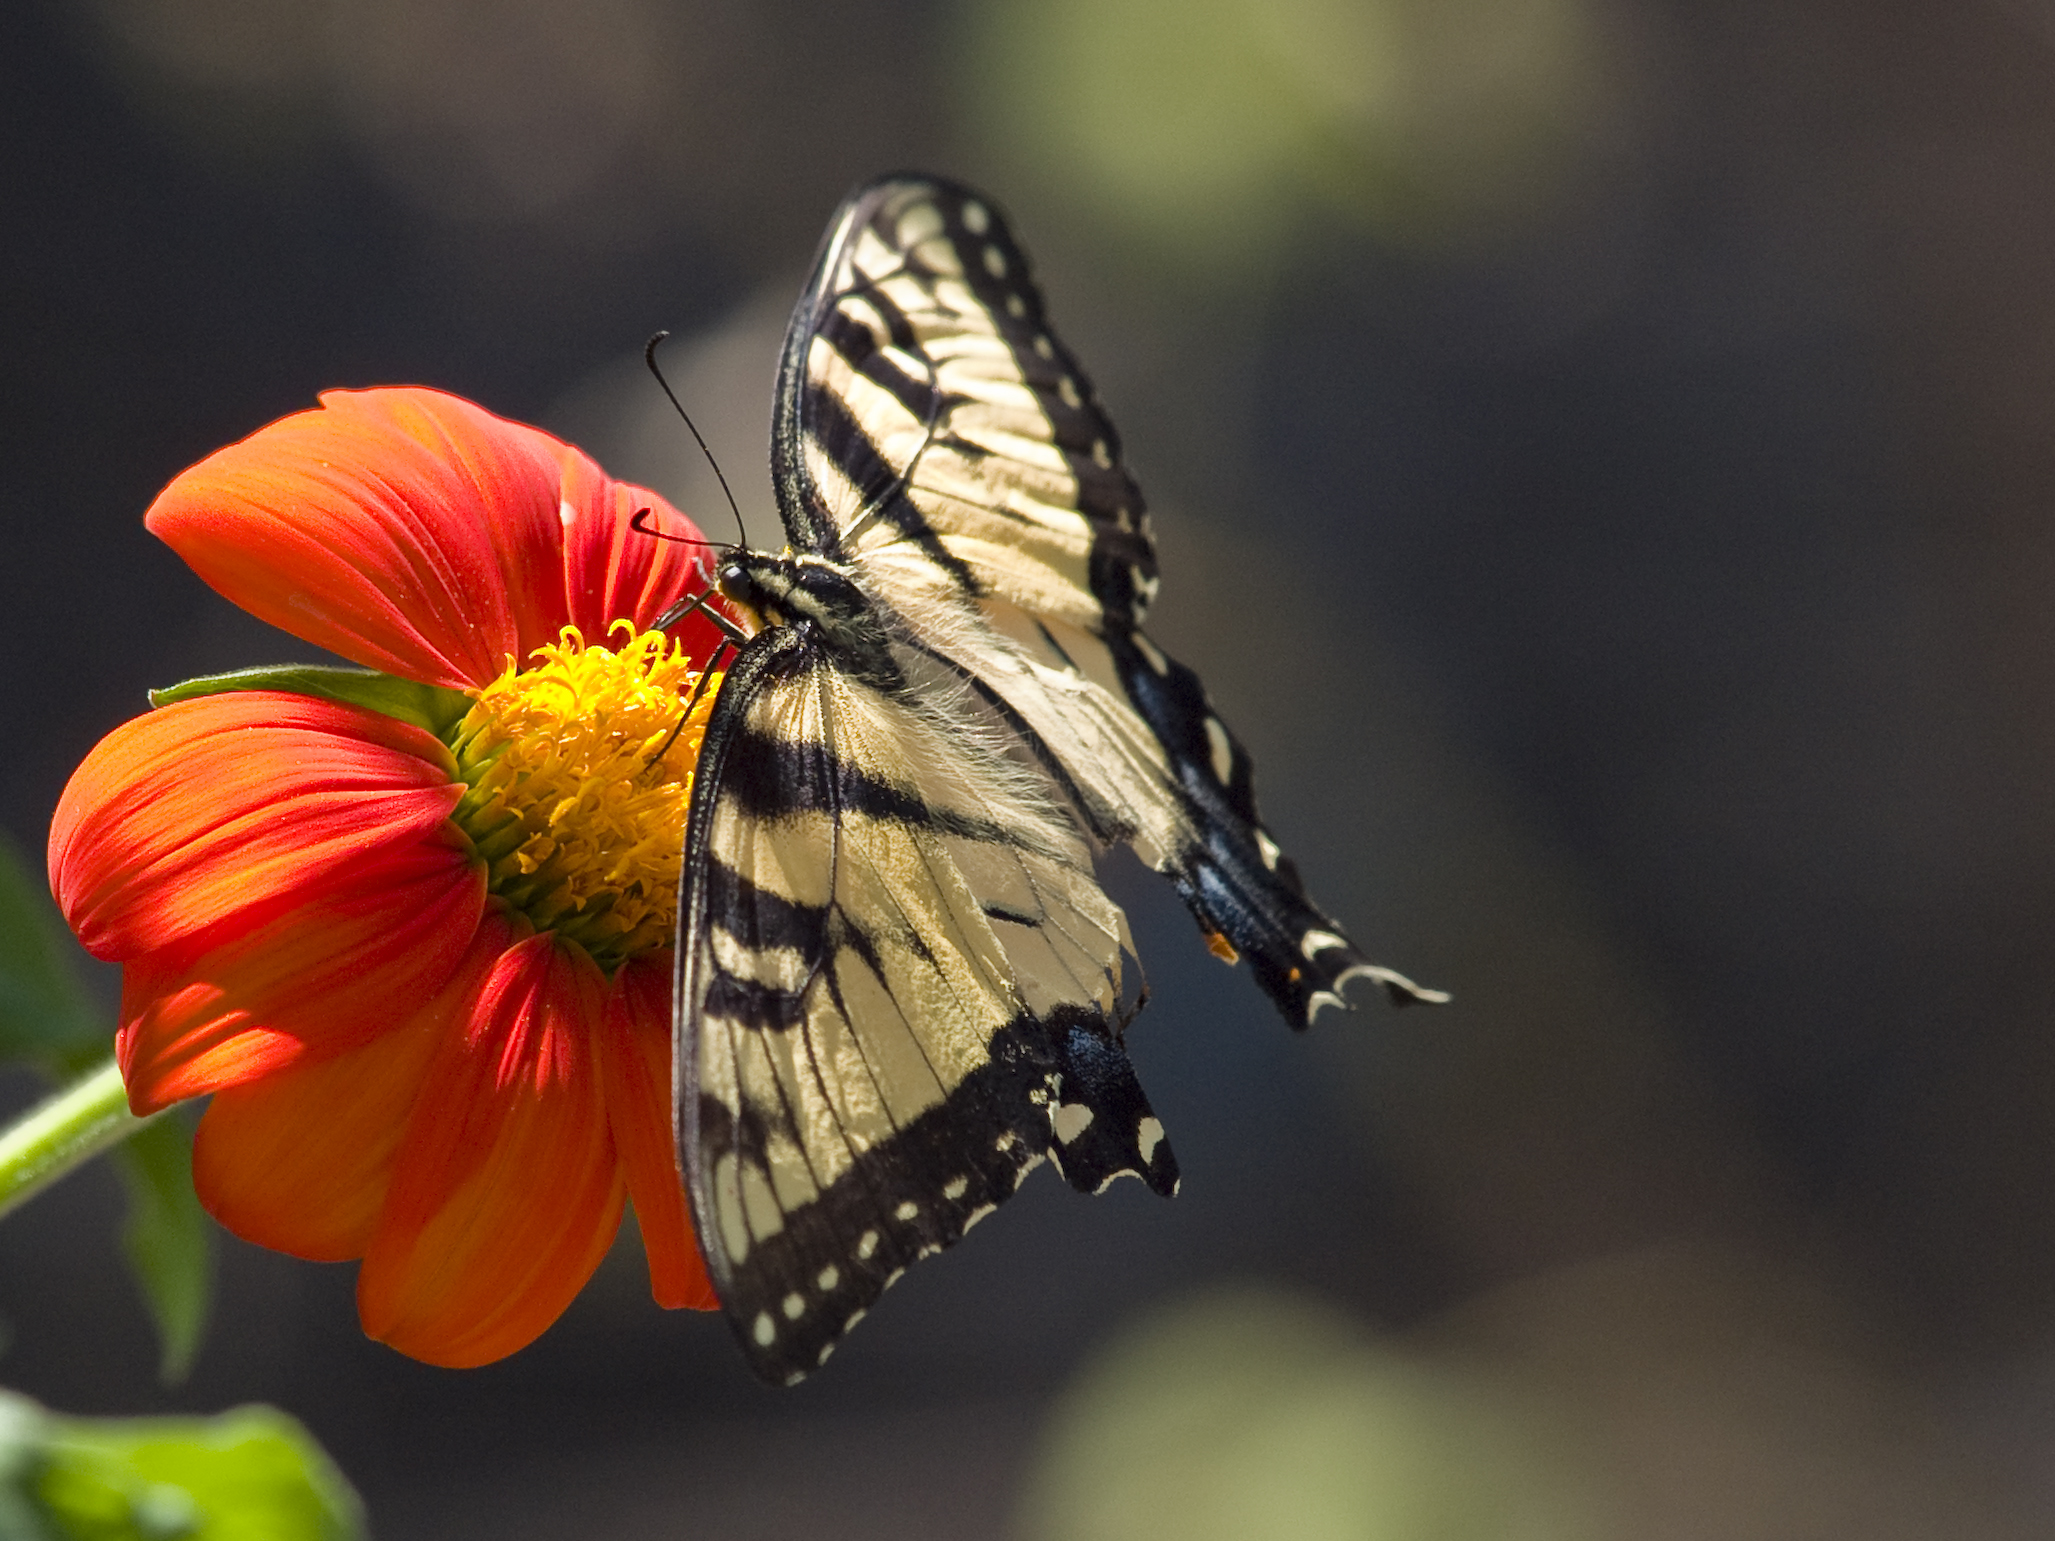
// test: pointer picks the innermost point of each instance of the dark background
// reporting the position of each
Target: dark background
(1604, 455)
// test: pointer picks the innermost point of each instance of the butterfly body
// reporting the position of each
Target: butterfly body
(900, 984)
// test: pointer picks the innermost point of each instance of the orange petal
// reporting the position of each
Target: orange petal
(506, 1191)
(216, 807)
(404, 528)
(635, 1059)
(613, 572)
(301, 1162)
(306, 984)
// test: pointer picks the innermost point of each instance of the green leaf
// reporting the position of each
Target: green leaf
(167, 1240)
(45, 1015)
(426, 706)
(251, 1474)
(24, 1430)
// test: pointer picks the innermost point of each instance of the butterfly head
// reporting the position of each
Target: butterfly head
(786, 590)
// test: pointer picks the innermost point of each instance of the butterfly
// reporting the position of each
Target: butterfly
(900, 986)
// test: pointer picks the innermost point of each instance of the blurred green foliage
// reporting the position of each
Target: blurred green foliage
(251, 1474)
(1258, 1413)
(1206, 126)
(49, 1020)
(46, 1017)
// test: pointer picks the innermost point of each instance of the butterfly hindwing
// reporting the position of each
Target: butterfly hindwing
(905, 992)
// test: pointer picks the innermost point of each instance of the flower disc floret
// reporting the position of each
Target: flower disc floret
(580, 768)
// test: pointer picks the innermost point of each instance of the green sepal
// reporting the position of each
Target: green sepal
(167, 1239)
(46, 1017)
(250, 1474)
(426, 706)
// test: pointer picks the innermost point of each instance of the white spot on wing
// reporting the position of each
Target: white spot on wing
(1044, 346)
(1150, 651)
(1102, 457)
(978, 1214)
(795, 1305)
(1067, 389)
(918, 224)
(828, 1278)
(976, 218)
(1321, 999)
(1391, 978)
(1223, 750)
(1072, 1119)
(766, 1330)
(1016, 306)
(1269, 849)
(1317, 941)
(1148, 1135)
(956, 1188)
(995, 262)
(906, 1211)
(866, 1244)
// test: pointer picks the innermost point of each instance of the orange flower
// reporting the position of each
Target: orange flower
(415, 939)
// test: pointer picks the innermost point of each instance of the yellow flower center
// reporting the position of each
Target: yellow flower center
(580, 768)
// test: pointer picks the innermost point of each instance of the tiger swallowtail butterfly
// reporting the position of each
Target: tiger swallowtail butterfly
(899, 982)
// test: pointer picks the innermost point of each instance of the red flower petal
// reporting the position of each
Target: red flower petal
(305, 984)
(506, 1191)
(613, 572)
(404, 528)
(635, 1059)
(300, 1163)
(230, 804)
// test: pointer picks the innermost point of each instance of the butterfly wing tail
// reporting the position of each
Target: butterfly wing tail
(1243, 890)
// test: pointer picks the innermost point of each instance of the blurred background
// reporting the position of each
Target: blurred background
(1603, 453)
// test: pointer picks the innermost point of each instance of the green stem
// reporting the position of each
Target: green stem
(64, 1131)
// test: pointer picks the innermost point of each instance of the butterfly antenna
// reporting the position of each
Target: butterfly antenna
(643, 522)
(649, 358)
